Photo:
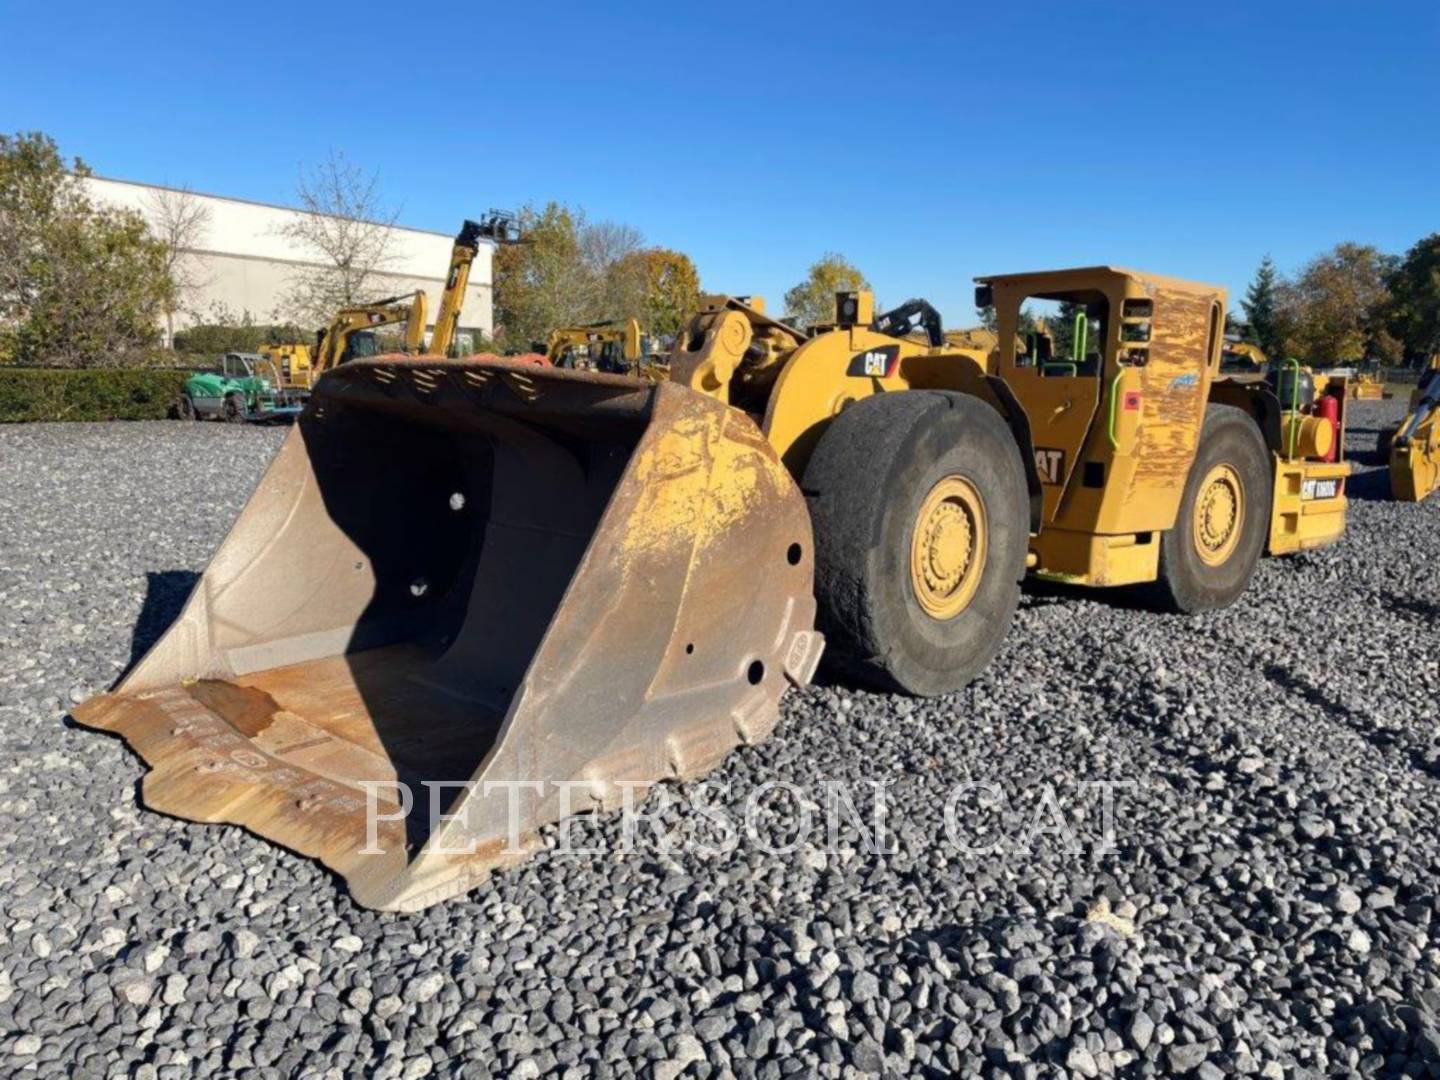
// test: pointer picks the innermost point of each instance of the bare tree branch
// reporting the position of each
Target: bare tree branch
(180, 221)
(347, 230)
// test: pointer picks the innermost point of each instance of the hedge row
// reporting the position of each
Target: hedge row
(30, 394)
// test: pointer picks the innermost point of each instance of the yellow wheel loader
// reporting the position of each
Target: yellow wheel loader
(1412, 448)
(471, 596)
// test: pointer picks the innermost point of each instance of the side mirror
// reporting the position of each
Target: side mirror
(984, 296)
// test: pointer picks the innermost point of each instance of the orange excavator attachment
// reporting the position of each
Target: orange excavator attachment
(468, 597)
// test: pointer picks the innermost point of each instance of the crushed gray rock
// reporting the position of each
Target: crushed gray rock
(1269, 907)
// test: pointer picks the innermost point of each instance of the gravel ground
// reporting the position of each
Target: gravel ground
(1269, 904)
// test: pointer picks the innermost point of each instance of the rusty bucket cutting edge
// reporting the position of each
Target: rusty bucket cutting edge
(503, 591)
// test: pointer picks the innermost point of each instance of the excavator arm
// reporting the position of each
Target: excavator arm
(609, 336)
(334, 339)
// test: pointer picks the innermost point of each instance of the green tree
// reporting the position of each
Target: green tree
(813, 300)
(1414, 315)
(659, 287)
(569, 271)
(1025, 321)
(543, 282)
(1061, 328)
(1335, 309)
(80, 285)
(1261, 305)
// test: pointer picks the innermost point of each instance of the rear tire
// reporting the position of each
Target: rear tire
(233, 409)
(1209, 557)
(185, 408)
(921, 515)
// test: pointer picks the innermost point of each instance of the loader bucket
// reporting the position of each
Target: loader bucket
(505, 589)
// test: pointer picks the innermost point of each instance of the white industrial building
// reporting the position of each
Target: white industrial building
(244, 262)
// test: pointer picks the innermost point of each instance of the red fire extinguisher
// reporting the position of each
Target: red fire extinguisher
(1328, 408)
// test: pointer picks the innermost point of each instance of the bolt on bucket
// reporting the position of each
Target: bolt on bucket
(467, 598)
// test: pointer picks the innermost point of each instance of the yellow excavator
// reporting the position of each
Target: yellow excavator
(351, 333)
(473, 596)
(611, 345)
(1412, 447)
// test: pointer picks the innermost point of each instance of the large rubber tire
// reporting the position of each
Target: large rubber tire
(1230, 437)
(866, 482)
(232, 410)
(185, 408)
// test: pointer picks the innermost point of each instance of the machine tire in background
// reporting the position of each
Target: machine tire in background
(1209, 557)
(233, 409)
(185, 408)
(920, 509)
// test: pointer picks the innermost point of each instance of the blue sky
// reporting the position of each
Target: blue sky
(928, 143)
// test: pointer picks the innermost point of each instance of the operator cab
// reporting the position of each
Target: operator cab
(1064, 334)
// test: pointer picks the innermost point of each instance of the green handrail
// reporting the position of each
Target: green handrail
(1294, 407)
(1082, 327)
(1114, 397)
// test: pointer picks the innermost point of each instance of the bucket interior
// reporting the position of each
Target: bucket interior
(380, 601)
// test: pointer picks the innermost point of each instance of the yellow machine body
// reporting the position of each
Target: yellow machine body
(1367, 388)
(293, 359)
(516, 589)
(1414, 456)
(604, 346)
(1113, 434)
(335, 346)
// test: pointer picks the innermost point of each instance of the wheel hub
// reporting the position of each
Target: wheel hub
(1219, 514)
(947, 552)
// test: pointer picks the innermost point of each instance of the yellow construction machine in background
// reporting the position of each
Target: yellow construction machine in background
(294, 361)
(351, 333)
(1412, 447)
(1242, 358)
(1366, 386)
(473, 596)
(612, 346)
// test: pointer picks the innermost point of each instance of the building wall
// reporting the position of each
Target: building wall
(246, 263)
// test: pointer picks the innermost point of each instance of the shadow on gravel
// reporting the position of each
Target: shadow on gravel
(1372, 486)
(1388, 739)
(1037, 592)
(165, 594)
(1425, 609)
(1370, 453)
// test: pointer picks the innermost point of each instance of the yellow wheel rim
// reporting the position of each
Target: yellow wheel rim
(1219, 515)
(947, 548)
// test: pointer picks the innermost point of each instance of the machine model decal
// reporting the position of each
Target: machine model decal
(1050, 464)
(1319, 489)
(875, 363)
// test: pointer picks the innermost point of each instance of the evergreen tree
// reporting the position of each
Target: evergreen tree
(1262, 309)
